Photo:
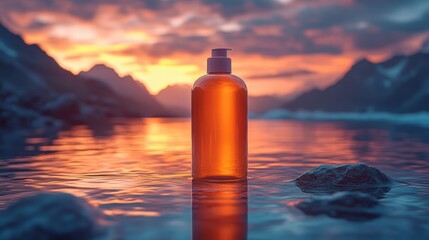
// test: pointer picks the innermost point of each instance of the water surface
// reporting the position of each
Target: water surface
(138, 173)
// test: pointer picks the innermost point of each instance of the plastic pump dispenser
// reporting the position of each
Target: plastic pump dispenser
(219, 122)
(219, 62)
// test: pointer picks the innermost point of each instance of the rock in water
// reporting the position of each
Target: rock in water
(347, 177)
(52, 216)
(352, 206)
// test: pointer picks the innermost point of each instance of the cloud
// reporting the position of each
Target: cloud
(425, 45)
(367, 24)
(34, 25)
(232, 8)
(172, 43)
(419, 24)
(373, 38)
(275, 35)
(282, 75)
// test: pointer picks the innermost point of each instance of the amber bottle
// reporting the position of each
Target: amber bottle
(219, 122)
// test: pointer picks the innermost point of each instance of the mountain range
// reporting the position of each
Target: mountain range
(126, 87)
(177, 98)
(36, 91)
(397, 85)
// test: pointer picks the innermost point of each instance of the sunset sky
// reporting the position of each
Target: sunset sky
(279, 46)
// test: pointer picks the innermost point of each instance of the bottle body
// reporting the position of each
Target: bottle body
(219, 128)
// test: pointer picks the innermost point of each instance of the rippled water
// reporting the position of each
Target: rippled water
(138, 173)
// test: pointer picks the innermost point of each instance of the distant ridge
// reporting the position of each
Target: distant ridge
(126, 87)
(37, 92)
(177, 98)
(398, 85)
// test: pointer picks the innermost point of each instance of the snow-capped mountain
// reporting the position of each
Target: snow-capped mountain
(399, 84)
(35, 90)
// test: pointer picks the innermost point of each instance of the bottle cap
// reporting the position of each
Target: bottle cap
(219, 62)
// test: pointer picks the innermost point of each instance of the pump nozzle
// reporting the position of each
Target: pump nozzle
(220, 52)
(219, 61)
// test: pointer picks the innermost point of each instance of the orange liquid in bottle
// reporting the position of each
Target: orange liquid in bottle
(219, 128)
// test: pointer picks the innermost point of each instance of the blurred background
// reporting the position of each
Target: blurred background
(73, 61)
(95, 102)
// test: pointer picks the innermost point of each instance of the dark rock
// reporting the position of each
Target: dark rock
(52, 216)
(347, 177)
(353, 206)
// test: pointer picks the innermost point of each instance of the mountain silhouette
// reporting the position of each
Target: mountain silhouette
(399, 85)
(127, 87)
(177, 98)
(265, 103)
(36, 91)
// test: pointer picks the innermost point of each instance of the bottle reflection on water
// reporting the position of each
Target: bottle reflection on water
(219, 210)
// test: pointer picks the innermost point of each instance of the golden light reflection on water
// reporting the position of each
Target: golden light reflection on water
(142, 167)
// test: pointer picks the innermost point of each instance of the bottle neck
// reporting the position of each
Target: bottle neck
(223, 73)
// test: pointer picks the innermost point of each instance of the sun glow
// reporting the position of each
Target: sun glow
(166, 72)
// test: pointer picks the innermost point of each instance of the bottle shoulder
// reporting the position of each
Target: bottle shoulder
(215, 80)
